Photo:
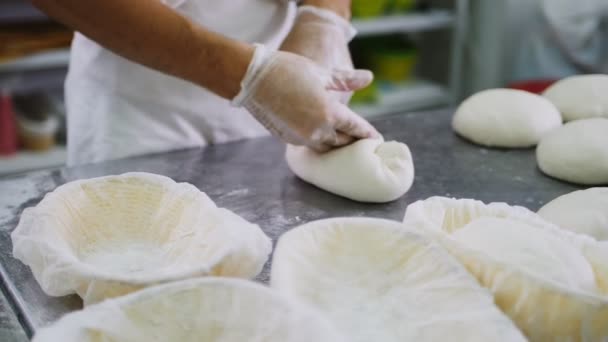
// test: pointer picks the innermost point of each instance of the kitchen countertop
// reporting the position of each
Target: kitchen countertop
(10, 329)
(252, 179)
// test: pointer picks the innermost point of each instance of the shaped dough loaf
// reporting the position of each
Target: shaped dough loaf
(368, 170)
(505, 118)
(551, 282)
(108, 236)
(576, 152)
(580, 97)
(210, 310)
(583, 211)
(379, 281)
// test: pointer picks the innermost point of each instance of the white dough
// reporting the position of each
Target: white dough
(583, 211)
(209, 310)
(580, 97)
(379, 281)
(505, 118)
(551, 282)
(576, 152)
(105, 237)
(369, 170)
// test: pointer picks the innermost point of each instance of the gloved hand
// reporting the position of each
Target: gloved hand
(290, 96)
(322, 36)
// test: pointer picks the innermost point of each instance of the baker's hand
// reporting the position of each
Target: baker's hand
(290, 95)
(322, 36)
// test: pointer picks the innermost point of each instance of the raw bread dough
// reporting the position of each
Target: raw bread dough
(576, 152)
(548, 302)
(583, 211)
(108, 236)
(505, 118)
(580, 97)
(380, 281)
(369, 170)
(210, 310)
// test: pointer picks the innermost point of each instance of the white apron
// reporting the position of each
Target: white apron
(117, 108)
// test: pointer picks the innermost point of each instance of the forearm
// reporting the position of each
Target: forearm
(341, 7)
(169, 42)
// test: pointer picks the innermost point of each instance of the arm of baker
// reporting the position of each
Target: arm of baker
(289, 94)
(152, 34)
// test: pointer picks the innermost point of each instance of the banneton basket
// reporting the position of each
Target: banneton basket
(379, 280)
(544, 309)
(207, 309)
(108, 236)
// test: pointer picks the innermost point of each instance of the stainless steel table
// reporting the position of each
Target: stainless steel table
(10, 329)
(252, 179)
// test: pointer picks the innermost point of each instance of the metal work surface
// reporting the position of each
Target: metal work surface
(10, 329)
(252, 179)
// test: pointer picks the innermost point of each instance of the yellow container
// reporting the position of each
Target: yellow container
(369, 8)
(368, 94)
(400, 6)
(394, 66)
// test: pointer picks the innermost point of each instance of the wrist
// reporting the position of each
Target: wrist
(244, 54)
(340, 7)
(261, 56)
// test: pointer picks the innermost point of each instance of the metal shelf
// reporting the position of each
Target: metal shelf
(406, 23)
(19, 11)
(30, 160)
(415, 95)
(24, 82)
(43, 60)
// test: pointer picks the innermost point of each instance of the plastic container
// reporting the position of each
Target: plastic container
(8, 130)
(369, 9)
(533, 86)
(37, 135)
(393, 65)
(368, 94)
(402, 6)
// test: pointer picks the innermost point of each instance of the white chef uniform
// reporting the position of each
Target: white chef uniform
(117, 108)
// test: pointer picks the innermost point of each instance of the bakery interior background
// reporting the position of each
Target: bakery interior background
(433, 54)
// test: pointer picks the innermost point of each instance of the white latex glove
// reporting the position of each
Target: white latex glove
(290, 95)
(322, 36)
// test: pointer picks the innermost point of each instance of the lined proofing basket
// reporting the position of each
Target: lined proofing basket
(379, 281)
(109, 236)
(209, 309)
(543, 309)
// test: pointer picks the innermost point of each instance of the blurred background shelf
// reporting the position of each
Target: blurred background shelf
(57, 58)
(29, 160)
(404, 23)
(409, 96)
(415, 48)
(32, 81)
(18, 11)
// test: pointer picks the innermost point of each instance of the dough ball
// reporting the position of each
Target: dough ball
(369, 170)
(583, 211)
(505, 118)
(580, 97)
(576, 152)
(535, 251)
(377, 280)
